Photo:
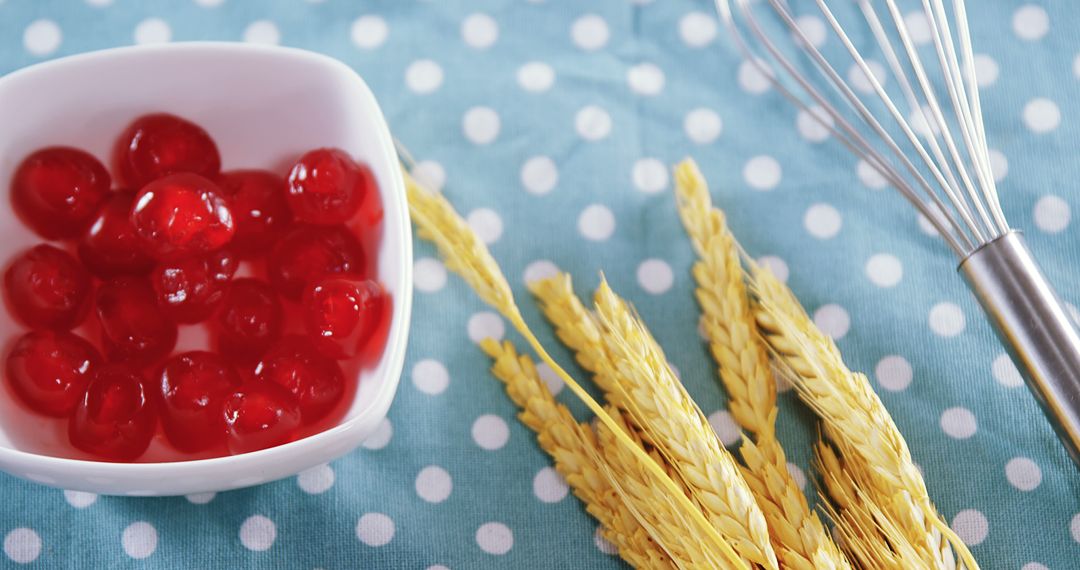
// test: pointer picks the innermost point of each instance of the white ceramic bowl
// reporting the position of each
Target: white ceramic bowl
(264, 106)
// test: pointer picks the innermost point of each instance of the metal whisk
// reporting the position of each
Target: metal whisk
(931, 147)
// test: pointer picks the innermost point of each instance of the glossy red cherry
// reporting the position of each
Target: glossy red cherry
(259, 415)
(181, 215)
(133, 327)
(116, 417)
(57, 191)
(295, 364)
(49, 370)
(190, 289)
(193, 389)
(326, 186)
(308, 253)
(161, 144)
(341, 314)
(110, 247)
(261, 214)
(249, 321)
(47, 288)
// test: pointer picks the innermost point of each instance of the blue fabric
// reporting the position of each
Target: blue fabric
(991, 461)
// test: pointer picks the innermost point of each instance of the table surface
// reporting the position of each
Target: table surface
(550, 124)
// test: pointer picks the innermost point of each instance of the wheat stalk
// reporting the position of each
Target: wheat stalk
(464, 253)
(798, 535)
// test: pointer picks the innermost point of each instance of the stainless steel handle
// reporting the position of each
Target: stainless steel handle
(1034, 326)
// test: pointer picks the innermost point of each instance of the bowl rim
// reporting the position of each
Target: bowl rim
(399, 330)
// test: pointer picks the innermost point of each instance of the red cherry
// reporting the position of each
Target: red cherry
(57, 191)
(181, 215)
(308, 253)
(316, 381)
(193, 388)
(341, 314)
(116, 417)
(257, 199)
(190, 289)
(47, 288)
(259, 415)
(133, 326)
(111, 247)
(326, 186)
(49, 370)
(250, 320)
(160, 144)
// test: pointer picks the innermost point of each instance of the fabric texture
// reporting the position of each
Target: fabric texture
(552, 126)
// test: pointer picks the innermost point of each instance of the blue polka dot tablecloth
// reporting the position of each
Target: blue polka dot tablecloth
(551, 125)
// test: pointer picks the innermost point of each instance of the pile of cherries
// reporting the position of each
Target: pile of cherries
(161, 248)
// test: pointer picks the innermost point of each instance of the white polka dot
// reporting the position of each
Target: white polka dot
(833, 320)
(1042, 115)
(486, 324)
(697, 29)
(22, 545)
(999, 165)
(552, 380)
(209, 3)
(99, 3)
(884, 270)
(438, 567)
(1052, 214)
(918, 28)
(986, 70)
(971, 526)
(752, 79)
(494, 538)
(375, 529)
(778, 267)
(539, 175)
(814, 127)
(430, 376)
(1074, 527)
(79, 499)
(536, 76)
(596, 222)
(1033, 566)
(379, 438)
(200, 498)
(813, 28)
(894, 373)
(262, 32)
(480, 31)
(822, 221)
(797, 475)
(1030, 22)
(592, 123)
(490, 432)
(549, 486)
(655, 276)
(958, 423)
(423, 76)
(369, 32)
(429, 275)
(318, 479)
(762, 172)
(861, 82)
(924, 123)
(590, 32)
(1005, 372)
(538, 270)
(702, 125)
(602, 544)
(723, 423)
(431, 174)
(433, 484)
(481, 125)
(869, 176)
(650, 175)
(1023, 473)
(946, 319)
(645, 79)
(258, 533)
(486, 223)
(42, 37)
(153, 31)
(139, 540)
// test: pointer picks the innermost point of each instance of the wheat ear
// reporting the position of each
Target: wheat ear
(464, 253)
(798, 535)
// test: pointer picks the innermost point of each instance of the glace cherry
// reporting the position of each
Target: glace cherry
(261, 214)
(160, 144)
(259, 415)
(326, 186)
(111, 247)
(49, 370)
(190, 289)
(249, 321)
(133, 327)
(341, 314)
(57, 191)
(193, 389)
(181, 215)
(316, 381)
(47, 288)
(116, 417)
(308, 253)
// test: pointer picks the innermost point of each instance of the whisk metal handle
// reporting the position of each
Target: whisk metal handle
(1032, 323)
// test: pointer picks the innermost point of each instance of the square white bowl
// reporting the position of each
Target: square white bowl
(264, 106)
